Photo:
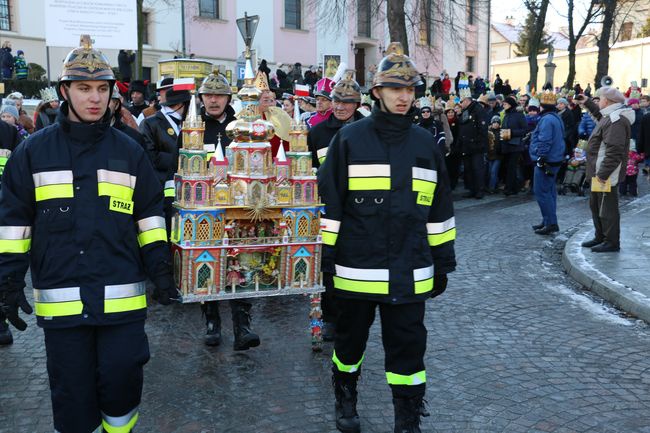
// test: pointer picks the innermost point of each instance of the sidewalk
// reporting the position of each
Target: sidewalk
(621, 278)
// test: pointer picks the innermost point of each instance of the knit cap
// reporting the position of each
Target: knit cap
(9, 107)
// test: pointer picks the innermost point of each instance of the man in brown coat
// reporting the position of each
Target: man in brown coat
(607, 152)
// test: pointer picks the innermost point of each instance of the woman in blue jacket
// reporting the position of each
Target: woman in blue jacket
(547, 149)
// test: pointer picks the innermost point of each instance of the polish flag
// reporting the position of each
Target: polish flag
(184, 84)
(301, 90)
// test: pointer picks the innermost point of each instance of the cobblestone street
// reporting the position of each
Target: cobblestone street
(513, 346)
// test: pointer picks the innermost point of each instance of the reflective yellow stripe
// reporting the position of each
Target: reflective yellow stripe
(112, 190)
(329, 238)
(115, 427)
(424, 186)
(424, 286)
(413, 379)
(441, 238)
(57, 309)
(150, 236)
(346, 368)
(49, 192)
(321, 160)
(16, 246)
(373, 287)
(368, 183)
(125, 304)
(169, 192)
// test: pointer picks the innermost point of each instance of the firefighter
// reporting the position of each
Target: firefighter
(81, 206)
(215, 95)
(388, 237)
(346, 97)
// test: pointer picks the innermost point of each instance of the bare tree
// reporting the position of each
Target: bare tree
(538, 9)
(593, 12)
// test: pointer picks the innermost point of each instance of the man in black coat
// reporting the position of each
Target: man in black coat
(137, 95)
(472, 140)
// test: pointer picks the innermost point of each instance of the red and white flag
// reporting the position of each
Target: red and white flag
(184, 84)
(301, 90)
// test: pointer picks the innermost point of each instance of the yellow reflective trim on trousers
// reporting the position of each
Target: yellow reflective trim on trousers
(150, 236)
(368, 183)
(424, 186)
(126, 428)
(170, 192)
(329, 238)
(345, 368)
(117, 191)
(423, 286)
(125, 304)
(58, 309)
(16, 246)
(447, 236)
(321, 160)
(48, 192)
(412, 379)
(372, 287)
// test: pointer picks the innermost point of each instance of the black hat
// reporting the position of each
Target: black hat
(165, 83)
(174, 97)
(137, 86)
(511, 101)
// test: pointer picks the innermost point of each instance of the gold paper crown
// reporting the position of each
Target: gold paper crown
(547, 98)
(465, 92)
(261, 81)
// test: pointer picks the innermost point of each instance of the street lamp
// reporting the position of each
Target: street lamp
(247, 27)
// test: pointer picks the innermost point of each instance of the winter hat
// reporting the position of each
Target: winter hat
(500, 97)
(612, 94)
(20, 52)
(632, 101)
(496, 119)
(563, 101)
(491, 97)
(534, 102)
(11, 109)
(15, 96)
(511, 101)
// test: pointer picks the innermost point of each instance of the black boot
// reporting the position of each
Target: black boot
(212, 323)
(407, 414)
(245, 338)
(345, 392)
(5, 333)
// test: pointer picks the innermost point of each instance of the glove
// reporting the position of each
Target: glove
(12, 297)
(165, 291)
(541, 161)
(439, 285)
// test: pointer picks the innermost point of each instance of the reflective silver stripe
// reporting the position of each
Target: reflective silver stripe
(154, 222)
(52, 178)
(362, 274)
(321, 152)
(422, 273)
(64, 294)
(437, 228)
(330, 225)
(169, 184)
(124, 291)
(15, 232)
(5, 152)
(119, 421)
(116, 177)
(425, 174)
(370, 170)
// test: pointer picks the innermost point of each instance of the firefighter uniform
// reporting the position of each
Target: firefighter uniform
(81, 207)
(388, 229)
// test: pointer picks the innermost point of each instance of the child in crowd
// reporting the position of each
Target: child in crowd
(631, 172)
(494, 154)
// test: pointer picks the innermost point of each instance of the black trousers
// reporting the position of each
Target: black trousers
(96, 375)
(606, 217)
(453, 161)
(628, 185)
(474, 172)
(511, 163)
(328, 301)
(403, 335)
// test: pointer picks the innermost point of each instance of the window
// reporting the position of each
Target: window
(203, 230)
(626, 31)
(300, 271)
(5, 18)
(303, 226)
(146, 73)
(363, 18)
(145, 27)
(426, 24)
(188, 230)
(198, 193)
(209, 8)
(203, 276)
(469, 67)
(471, 11)
(292, 14)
